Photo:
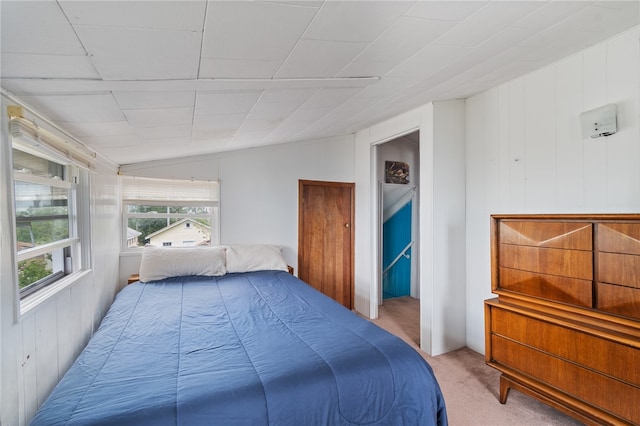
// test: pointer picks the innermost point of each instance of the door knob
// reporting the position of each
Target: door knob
(347, 225)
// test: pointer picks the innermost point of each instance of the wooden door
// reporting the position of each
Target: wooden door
(326, 237)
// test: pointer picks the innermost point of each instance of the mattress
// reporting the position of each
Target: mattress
(253, 348)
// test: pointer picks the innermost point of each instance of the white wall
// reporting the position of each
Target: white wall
(525, 152)
(39, 346)
(258, 188)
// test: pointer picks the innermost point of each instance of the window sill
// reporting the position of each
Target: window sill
(34, 300)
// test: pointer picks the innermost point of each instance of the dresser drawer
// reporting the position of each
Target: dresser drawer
(551, 261)
(551, 287)
(619, 300)
(577, 381)
(561, 235)
(595, 353)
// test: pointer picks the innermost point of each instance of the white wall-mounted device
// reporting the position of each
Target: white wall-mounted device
(599, 122)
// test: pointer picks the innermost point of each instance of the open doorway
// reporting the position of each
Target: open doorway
(398, 175)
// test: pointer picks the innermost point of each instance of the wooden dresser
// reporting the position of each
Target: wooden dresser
(565, 327)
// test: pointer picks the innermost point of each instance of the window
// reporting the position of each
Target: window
(46, 198)
(169, 212)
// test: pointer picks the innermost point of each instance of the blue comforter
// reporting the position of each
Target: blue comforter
(255, 348)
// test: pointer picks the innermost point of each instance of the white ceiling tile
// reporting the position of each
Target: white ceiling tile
(217, 124)
(141, 100)
(555, 34)
(28, 65)
(354, 20)
(200, 136)
(510, 39)
(250, 137)
(159, 117)
(423, 51)
(500, 60)
(444, 10)
(599, 19)
(272, 110)
(95, 108)
(360, 68)
(318, 58)
(307, 115)
(296, 96)
(182, 132)
(404, 38)
(140, 151)
(306, 3)
(429, 60)
(182, 15)
(81, 130)
(111, 141)
(386, 87)
(330, 97)
(138, 54)
(210, 103)
(253, 31)
(37, 27)
(486, 22)
(214, 121)
(238, 68)
(549, 14)
(259, 125)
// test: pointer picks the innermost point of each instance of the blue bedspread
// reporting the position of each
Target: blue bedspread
(243, 349)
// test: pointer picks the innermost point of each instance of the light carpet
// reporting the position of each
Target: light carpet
(470, 387)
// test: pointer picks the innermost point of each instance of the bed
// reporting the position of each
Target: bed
(241, 348)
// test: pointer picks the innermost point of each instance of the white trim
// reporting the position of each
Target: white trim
(40, 180)
(74, 85)
(32, 252)
(34, 300)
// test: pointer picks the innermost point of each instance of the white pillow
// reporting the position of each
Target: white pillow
(257, 257)
(164, 262)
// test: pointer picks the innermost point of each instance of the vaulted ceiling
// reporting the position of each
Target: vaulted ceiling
(145, 80)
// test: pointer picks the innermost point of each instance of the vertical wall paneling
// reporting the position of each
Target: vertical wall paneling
(47, 371)
(517, 149)
(504, 160)
(427, 241)
(540, 160)
(68, 314)
(477, 260)
(623, 148)
(9, 335)
(595, 151)
(449, 227)
(569, 144)
(551, 167)
(491, 145)
(105, 247)
(365, 228)
(27, 369)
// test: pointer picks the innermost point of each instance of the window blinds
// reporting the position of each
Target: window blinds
(167, 191)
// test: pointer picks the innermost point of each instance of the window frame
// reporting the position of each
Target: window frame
(180, 187)
(74, 250)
